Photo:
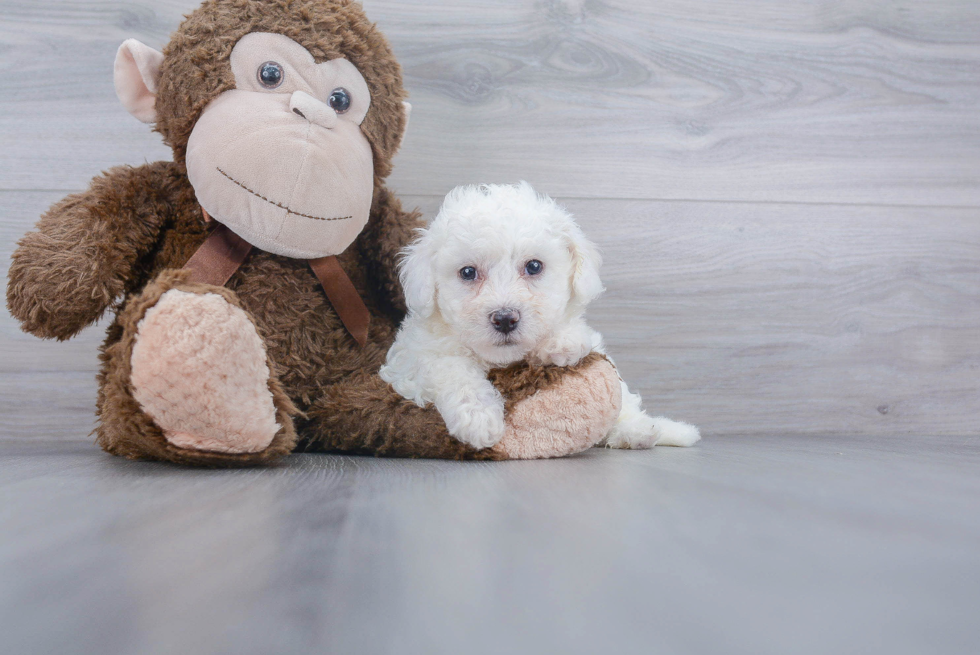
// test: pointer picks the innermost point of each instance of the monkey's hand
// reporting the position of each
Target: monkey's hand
(82, 255)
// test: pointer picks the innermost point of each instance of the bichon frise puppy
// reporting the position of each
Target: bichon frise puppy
(502, 275)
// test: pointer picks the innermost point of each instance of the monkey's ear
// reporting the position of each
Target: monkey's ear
(136, 73)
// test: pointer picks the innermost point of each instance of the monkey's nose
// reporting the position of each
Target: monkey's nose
(505, 320)
(306, 106)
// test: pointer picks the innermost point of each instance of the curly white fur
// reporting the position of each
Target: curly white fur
(448, 342)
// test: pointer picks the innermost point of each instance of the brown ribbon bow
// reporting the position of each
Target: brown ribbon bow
(223, 252)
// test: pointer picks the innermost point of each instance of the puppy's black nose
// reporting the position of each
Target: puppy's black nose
(505, 320)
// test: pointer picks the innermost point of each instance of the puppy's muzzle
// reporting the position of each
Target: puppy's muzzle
(505, 320)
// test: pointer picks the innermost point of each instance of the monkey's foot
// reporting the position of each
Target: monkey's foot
(199, 370)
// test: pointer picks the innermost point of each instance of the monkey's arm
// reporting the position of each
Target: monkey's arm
(86, 250)
(364, 415)
(389, 230)
(551, 412)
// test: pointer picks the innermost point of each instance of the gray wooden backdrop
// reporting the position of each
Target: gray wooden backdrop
(787, 194)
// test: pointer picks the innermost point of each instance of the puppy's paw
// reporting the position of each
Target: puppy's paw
(478, 422)
(565, 349)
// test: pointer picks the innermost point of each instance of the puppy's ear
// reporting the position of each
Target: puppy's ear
(586, 261)
(417, 274)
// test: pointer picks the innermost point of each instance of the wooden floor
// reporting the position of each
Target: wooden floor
(744, 545)
(787, 195)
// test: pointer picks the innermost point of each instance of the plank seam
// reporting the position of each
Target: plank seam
(640, 199)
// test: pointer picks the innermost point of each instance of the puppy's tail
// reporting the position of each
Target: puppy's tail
(675, 433)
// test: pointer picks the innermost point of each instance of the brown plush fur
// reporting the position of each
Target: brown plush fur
(92, 248)
(521, 380)
(118, 245)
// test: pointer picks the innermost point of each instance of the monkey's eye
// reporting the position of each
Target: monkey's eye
(467, 273)
(271, 75)
(339, 100)
(533, 267)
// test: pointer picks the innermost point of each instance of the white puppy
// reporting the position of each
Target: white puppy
(502, 275)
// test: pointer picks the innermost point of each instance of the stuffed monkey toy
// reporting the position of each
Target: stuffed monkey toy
(253, 279)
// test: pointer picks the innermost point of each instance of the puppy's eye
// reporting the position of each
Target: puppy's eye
(467, 273)
(533, 267)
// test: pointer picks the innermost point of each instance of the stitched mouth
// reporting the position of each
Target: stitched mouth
(280, 205)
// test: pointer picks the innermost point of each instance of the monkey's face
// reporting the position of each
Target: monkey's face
(281, 159)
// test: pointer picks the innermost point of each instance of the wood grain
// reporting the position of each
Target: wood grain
(858, 102)
(752, 545)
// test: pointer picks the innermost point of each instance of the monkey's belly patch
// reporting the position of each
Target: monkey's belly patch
(199, 370)
(280, 205)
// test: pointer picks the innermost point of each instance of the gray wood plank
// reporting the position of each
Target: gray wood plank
(741, 318)
(859, 102)
(61, 123)
(751, 545)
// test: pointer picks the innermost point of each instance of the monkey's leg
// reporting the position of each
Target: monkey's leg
(186, 379)
(551, 412)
